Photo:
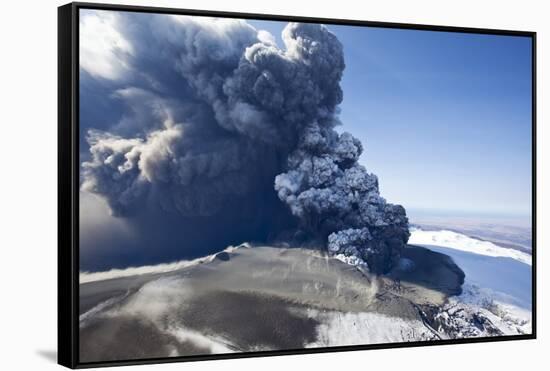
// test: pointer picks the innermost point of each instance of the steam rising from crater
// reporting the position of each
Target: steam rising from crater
(220, 129)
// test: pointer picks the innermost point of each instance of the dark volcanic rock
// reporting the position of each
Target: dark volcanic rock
(431, 270)
(223, 256)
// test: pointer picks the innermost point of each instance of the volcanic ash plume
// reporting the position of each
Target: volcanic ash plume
(332, 195)
(229, 116)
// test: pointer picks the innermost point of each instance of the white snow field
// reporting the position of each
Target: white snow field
(458, 241)
(498, 279)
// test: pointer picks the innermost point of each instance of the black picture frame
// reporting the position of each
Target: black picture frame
(68, 181)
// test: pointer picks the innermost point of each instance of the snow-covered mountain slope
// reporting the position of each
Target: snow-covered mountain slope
(349, 328)
(458, 241)
(497, 287)
(219, 303)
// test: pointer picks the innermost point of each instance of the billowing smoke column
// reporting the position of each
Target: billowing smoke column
(334, 196)
(236, 127)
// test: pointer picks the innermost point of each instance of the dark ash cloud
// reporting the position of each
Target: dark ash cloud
(225, 138)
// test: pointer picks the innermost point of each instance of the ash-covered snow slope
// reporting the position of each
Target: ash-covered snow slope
(498, 280)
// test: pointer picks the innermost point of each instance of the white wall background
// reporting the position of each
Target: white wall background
(28, 181)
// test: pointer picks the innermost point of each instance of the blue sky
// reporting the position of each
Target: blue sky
(445, 118)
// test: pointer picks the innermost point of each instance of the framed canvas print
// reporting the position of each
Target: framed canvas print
(236, 185)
